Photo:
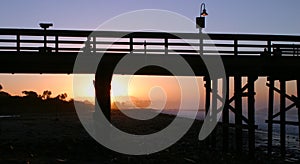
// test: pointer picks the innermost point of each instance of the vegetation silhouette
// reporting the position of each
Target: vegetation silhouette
(32, 102)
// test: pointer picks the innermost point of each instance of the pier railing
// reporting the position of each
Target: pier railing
(32, 40)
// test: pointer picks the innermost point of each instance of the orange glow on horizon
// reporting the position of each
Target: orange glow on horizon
(14, 84)
(140, 90)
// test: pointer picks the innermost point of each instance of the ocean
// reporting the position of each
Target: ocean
(260, 118)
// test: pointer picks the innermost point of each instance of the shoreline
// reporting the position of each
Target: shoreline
(52, 138)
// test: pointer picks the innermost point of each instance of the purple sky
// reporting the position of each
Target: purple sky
(225, 16)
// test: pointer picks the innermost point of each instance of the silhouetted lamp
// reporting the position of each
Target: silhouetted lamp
(45, 26)
(204, 13)
(200, 21)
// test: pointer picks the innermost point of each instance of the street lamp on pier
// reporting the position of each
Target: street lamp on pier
(200, 23)
(45, 26)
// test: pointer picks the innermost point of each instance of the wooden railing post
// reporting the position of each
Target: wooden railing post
(269, 44)
(56, 43)
(131, 45)
(235, 48)
(166, 46)
(145, 47)
(200, 43)
(94, 44)
(18, 43)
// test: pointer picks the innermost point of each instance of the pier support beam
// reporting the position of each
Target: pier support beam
(298, 106)
(102, 93)
(214, 110)
(103, 87)
(251, 115)
(270, 115)
(238, 114)
(102, 84)
(207, 86)
(282, 116)
(225, 116)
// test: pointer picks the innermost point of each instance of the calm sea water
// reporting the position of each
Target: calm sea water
(260, 119)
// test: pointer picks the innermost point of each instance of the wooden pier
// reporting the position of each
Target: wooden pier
(250, 56)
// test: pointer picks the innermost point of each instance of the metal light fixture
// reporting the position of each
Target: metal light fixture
(45, 26)
(203, 11)
(200, 21)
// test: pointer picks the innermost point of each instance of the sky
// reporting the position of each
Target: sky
(230, 16)
(225, 16)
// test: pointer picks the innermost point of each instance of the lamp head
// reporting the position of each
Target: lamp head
(45, 25)
(204, 13)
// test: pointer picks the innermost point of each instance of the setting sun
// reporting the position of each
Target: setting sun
(120, 86)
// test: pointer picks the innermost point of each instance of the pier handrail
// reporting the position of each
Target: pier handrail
(20, 40)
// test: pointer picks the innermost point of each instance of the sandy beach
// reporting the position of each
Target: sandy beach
(60, 138)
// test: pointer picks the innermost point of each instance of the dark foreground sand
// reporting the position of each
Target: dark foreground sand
(52, 138)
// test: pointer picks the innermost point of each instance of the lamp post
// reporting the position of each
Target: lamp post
(200, 23)
(45, 26)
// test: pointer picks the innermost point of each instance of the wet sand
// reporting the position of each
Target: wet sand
(60, 138)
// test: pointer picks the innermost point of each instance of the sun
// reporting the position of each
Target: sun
(119, 86)
(90, 91)
(84, 87)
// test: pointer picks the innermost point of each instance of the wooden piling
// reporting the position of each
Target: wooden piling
(207, 93)
(214, 110)
(298, 106)
(103, 79)
(251, 115)
(207, 102)
(270, 114)
(225, 116)
(238, 115)
(103, 87)
(282, 117)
